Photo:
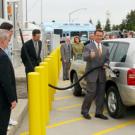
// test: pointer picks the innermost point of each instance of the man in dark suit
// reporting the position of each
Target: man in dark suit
(91, 39)
(33, 48)
(9, 27)
(95, 54)
(8, 96)
(66, 55)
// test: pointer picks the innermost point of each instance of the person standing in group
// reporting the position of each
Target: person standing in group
(91, 39)
(9, 27)
(66, 55)
(8, 96)
(95, 54)
(77, 48)
(33, 48)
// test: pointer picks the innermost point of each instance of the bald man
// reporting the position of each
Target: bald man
(66, 55)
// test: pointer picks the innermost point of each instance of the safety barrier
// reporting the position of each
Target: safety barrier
(40, 96)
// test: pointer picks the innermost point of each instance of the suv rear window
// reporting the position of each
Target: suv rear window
(112, 47)
(109, 45)
(121, 52)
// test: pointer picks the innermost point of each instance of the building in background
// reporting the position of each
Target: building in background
(1, 9)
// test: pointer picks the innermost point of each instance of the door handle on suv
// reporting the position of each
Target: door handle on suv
(116, 72)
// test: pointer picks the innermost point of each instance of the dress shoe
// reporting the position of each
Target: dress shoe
(101, 116)
(86, 116)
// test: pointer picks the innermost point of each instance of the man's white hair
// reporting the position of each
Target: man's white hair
(4, 34)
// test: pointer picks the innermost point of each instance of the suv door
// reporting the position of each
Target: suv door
(112, 48)
(119, 63)
(114, 97)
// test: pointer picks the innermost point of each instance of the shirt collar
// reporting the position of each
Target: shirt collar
(100, 45)
(34, 41)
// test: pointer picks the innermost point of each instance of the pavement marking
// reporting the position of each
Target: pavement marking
(24, 133)
(68, 107)
(62, 98)
(117, 127)
(68, 121)
(65, 122)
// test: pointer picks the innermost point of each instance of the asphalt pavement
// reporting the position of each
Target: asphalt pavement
(67, 120)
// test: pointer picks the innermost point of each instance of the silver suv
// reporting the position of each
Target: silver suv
(120, 88)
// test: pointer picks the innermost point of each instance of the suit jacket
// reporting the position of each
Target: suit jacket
(66, 54)
(88, 42)
(7, 81)
(95, 62)
(35, 59)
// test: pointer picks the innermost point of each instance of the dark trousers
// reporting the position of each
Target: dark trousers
(4, 120)
(66, 67)
(95, 90)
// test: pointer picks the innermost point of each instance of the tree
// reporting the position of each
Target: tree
(130, 20)
(98, 26)
(123, 25)
(114, 27)
(107, 25)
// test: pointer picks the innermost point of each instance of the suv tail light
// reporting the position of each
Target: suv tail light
(131, 77)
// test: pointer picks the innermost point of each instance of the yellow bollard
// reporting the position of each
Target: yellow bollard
(41, 71)
(53, 74)
(45, 65)
(54, 68)
(59, 59)
(48, 60)
(35, 120)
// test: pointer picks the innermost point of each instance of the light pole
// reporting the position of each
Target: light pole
(26, 11)
(41, 11)
(74, 11)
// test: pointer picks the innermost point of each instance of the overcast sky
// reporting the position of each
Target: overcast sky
(95, 9)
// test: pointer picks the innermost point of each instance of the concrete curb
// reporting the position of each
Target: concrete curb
(18, 115)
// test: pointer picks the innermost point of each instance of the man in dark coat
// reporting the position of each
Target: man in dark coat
(8, 96)
(91, 39)
(32, 48)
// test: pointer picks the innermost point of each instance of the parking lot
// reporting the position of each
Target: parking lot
(66, 119)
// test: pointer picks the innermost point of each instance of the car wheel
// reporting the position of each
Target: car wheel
(77, 90)
(115, 106)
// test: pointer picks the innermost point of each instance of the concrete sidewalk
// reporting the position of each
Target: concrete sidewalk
(19, 112)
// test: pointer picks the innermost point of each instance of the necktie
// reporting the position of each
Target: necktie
(36, 48)
(99, 51)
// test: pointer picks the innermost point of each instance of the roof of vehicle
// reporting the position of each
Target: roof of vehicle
(50, 26)
(130, 40)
